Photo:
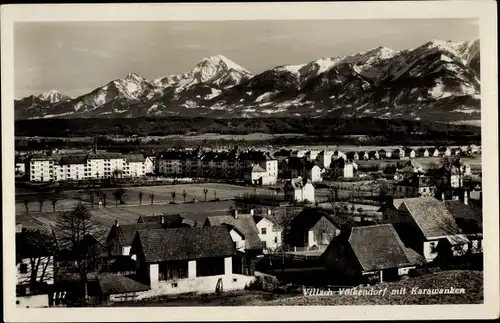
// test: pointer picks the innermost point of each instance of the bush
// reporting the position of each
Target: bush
(265, 283)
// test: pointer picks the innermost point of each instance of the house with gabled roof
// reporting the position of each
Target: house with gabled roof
(244, 224)
(390, 209)
(423, 152)
(187, 260)
(470, 220)
(270, 232)
(324, 158)
(373, 155)
(410, 152)
(426, 225)
(415, 186)
(366, 254)
(311, 229)
(298, 190)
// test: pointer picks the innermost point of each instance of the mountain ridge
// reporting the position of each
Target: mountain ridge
(438, 79)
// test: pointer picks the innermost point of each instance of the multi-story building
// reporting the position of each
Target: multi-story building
(85, 166)
(41, 168)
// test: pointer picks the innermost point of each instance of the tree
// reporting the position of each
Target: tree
(140, 197)
(76, 231)
(173, 194)
(41, 201)
(205, 191)
(152, 197)
(37, 246)
(119, 194)
(54, 199)
(26, 205)
(91, 198)
(184, 195)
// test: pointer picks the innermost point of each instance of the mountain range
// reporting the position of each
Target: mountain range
(439, 80)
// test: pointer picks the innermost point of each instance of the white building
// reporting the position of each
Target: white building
(135, 165)
(41, 168)
(263, 176)
(149, 165)
(296, 190)
(314, 173)
(324, 158)
(270, 233)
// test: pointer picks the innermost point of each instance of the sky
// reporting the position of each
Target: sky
(77, 57)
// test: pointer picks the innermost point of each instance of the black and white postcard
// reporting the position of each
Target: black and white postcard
(286, 161)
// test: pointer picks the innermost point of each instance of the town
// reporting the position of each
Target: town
(99, 228)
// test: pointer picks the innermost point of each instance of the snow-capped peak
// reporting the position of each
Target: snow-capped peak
(219, 61)
(133, 77)
(52, 96)
(294, 69)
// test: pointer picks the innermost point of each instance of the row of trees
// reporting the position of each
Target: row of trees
(99, 197)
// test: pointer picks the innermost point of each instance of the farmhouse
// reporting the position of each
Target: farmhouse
(270, 232)
(369, 253)
(311, 229)
(415, 186)
(313, 172)
(425, 223)
(470, 220)
(297, 190)
(184, 260)
(246, 226)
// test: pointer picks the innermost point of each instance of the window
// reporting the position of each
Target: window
(23, 268)
(433, 246)
(263, 231)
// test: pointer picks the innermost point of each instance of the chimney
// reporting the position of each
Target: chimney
(466, 197)
(251, 212)
(235, 214)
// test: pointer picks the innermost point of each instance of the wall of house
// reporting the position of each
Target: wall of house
(115, 298)
(339, 259)
(405, 270)
(270, 237)
(315, 174)
(430, 250)
(476, 245)
(348, 171)
(198, 285)
(324, 231)
(32, 301)
(238, 240)
(48, 276)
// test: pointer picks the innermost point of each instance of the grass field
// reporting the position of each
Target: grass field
(162, 195)
(129, 214)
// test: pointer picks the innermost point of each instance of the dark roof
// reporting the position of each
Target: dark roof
(431, 216)
(244, 223)
(306, 219)
(258, 169)
(395, 203)
(379, 247)
(184, 243)
(416, 181)
(135, 158)
(270, 218)
(468, 218)
(73, 159)
(105, 156)
(117, 284)
(126, 232)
